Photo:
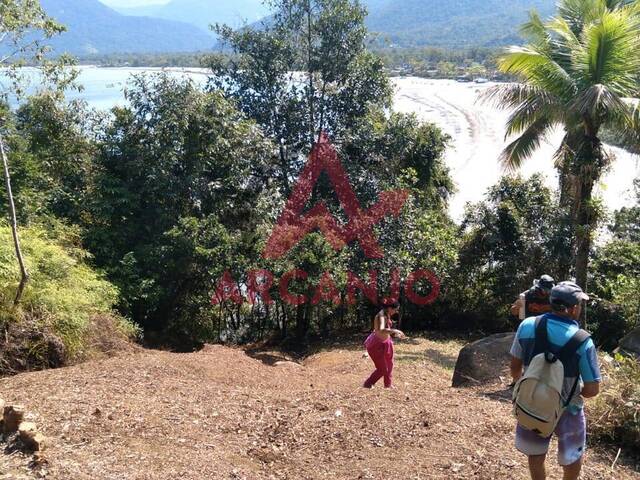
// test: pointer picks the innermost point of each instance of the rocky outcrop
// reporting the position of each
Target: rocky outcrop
(631, 343)
(483, 361)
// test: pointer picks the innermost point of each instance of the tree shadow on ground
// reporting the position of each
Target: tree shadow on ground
(267, 357)
(501, 395)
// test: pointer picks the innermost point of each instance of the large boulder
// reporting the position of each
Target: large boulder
(483, 361)
(630, 343)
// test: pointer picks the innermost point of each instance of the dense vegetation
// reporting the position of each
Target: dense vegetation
(182, 185)
(467, 23)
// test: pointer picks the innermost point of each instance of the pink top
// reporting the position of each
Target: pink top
(374, 338)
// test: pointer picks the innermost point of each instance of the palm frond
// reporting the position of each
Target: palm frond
(608, 53)
(578, 13)
(534, 30)
(536, 68)
(509, 95)
(598, 101)
(518, 151)
(532, 110)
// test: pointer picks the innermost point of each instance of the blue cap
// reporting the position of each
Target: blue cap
(568, 294)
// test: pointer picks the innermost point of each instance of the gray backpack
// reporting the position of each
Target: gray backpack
(538, 403)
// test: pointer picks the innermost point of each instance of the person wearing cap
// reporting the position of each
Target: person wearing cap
(534, 301)
(566, 300)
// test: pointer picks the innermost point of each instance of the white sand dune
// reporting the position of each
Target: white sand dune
(477, 131)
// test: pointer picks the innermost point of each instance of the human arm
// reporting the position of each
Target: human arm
(590, 389)
(589, 370)
(516, 368)
(515, 307)
(381, 326)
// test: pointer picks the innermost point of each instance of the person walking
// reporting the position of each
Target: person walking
(557, 336)
(534, 301)
(379, 345)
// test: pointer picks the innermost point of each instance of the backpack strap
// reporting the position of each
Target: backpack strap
(570, 349)
(541, 336)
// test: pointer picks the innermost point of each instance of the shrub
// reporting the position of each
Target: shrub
(615, 414)
(61, 302)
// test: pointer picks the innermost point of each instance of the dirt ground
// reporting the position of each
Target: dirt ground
(222, 413)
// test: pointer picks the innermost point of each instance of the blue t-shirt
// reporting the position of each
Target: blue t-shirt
(559, 330)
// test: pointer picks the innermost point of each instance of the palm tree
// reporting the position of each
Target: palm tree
(581, 72)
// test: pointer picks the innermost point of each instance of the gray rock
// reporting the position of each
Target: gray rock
(483, 361)
(631, 342)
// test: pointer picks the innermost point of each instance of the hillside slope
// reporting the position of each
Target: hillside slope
(203, 13)
(221, 414)
(459, 23)
(95, 28)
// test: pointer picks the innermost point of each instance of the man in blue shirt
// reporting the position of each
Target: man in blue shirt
(562, 323)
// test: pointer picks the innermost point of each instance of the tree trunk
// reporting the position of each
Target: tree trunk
(24, 275)
(584, 228)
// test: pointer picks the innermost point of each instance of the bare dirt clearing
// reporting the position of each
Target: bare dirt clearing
(222, 414)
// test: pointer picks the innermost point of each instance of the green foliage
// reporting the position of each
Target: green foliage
(25, 33)
(508, 240)
(304, 72)
(64, 294)
(179, 172)
(409, 23)
(579, 71)
(616, 411)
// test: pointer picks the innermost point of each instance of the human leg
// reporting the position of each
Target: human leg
(535, 448)
(388, 364)
(536, 467)
(572, 440)
(377, 355)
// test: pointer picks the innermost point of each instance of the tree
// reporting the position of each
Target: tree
(507, 240)
(579, 71)
(175, 201)
(305, 71)
(24, 26)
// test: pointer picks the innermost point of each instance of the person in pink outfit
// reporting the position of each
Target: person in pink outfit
(379, 345)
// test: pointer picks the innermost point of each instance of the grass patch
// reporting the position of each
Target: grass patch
(66, 304)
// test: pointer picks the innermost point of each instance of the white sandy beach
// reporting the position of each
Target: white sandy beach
(477, 133)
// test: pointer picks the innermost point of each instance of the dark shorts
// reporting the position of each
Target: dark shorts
(572, 437)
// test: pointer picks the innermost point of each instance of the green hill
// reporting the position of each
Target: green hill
(459, 23)
(203, 13)
(95, 28)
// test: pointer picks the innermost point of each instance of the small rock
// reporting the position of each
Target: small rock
(12, 417)
(30, 436)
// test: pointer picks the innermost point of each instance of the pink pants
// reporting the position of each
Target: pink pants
(381, 352)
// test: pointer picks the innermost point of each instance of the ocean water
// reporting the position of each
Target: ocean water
(103, 88)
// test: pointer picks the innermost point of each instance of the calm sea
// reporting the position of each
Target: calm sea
(103, 88)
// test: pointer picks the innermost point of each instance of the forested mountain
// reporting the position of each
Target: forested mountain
(92, 27)
(452, 23)
(203, 13)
